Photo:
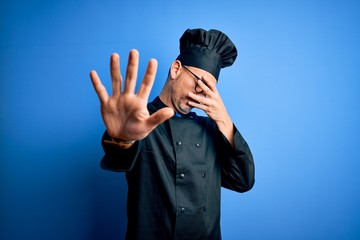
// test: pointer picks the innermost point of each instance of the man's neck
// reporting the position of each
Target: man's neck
(165, 98)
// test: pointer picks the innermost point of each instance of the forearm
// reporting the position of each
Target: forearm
(226, 127)
(238, 169)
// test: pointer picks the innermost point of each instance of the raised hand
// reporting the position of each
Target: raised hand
(125, 113)
(211, 103)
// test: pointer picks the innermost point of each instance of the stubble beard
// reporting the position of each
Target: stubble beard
(183, 106)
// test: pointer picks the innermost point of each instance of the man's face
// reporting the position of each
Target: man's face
(185, 83)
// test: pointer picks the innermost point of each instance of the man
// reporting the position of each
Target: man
(175, 161)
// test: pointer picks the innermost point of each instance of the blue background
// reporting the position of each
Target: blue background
(293, 93)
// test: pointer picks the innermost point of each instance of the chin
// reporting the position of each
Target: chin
(184, 110)
(182, 106)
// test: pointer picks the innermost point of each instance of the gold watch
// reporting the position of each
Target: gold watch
(124, 144)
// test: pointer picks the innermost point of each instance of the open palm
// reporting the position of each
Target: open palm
(125, 113)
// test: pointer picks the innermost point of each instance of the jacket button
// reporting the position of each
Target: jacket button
(198, 144)
(204, 175)
(182, 209)
(178, 143)
(182, 176)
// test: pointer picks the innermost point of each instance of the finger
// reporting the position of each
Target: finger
(207, 84)
(131, 71)
(148, 81)
(204, 87)
(198, 105)
(159, 117)
(115, 74)
(99, 88)
(198, 98)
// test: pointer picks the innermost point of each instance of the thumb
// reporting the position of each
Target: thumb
(160, 116)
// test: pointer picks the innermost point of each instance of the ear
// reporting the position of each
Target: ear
(175, 69)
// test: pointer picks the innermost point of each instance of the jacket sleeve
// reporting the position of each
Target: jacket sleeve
(238, 170)
(117, 159)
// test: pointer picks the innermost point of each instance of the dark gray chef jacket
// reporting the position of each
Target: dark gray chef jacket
(174, 177)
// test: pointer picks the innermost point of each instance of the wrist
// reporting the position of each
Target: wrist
(226, 127)
(225, 123)
(120, 143)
